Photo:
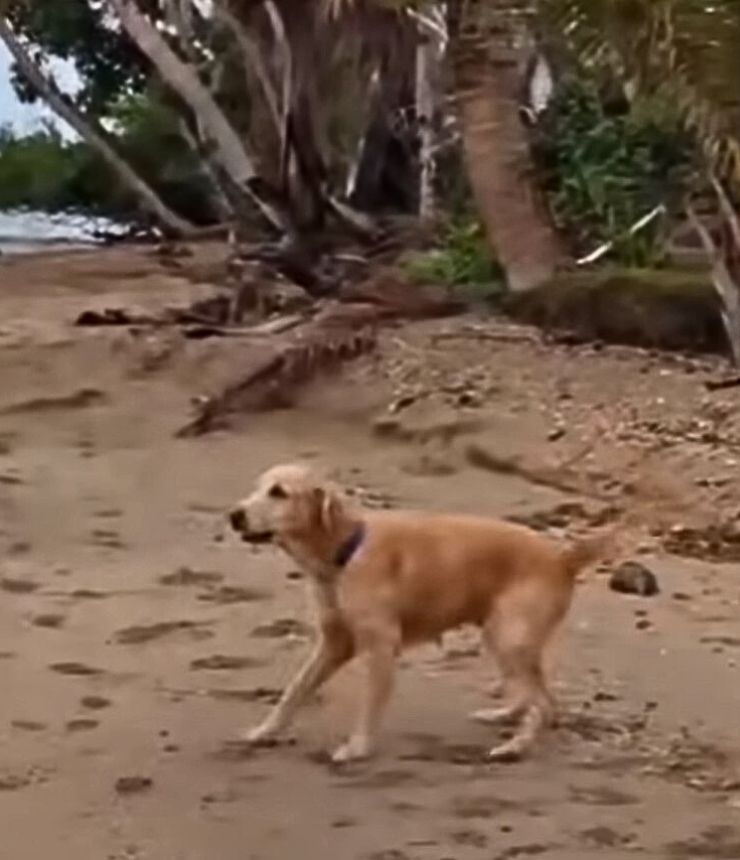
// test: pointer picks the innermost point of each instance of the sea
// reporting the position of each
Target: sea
(25, 232)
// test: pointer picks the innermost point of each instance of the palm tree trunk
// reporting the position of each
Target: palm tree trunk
(497, 148)
(183, 79)
(93, 134)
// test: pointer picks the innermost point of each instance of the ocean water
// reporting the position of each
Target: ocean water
(28, 232)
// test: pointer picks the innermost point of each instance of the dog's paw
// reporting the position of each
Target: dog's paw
(511, 751)
(261, 734)
(355, 749)
(495, 716)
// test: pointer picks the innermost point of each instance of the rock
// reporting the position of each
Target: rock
(631, 577)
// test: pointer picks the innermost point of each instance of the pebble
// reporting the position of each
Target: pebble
(632, 577)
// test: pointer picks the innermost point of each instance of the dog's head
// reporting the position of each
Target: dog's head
(290, 505)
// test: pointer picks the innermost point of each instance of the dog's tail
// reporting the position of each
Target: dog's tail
(587, 551)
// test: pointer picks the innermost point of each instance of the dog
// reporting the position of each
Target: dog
(383, 581)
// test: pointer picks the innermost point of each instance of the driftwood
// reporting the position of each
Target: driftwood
(338, 333)
(322, 345)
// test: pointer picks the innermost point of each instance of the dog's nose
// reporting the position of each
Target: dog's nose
(238, 520)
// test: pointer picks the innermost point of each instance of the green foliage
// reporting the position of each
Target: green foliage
(41, 171)
(149, 137)
(46, 172)
(605, 168)
(75, 30)
(462, 259)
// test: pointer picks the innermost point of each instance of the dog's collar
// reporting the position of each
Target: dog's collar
(349, 547)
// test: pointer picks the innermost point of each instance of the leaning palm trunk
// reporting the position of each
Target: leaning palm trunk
(94, 135)
(488, 84)
(183, 78)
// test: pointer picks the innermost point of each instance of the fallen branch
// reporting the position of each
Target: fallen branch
(321, 345)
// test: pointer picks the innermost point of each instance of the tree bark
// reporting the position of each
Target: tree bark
(183, 79)
(386, 175)
(428, 54)
(94, 135)
(486, 64)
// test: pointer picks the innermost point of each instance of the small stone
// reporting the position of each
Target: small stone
(632, 577)
(643, 624)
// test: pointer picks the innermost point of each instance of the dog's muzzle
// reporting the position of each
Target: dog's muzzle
(240, 524)
(238, 520)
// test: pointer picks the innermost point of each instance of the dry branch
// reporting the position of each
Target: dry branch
(321, 345)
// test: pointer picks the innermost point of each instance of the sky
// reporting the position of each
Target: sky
(26, 118)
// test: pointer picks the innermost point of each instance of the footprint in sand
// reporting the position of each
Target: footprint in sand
(82, 724)
(186, 576)
(88, 594)
(133, 784)
(79, 670)
(11, 479)
(281, 627)
(49, 620)
(140, 634)
(108, 513)
(266, 695)
(18, 586)
(95, 703)
(107, 538)
(28, 725)
(13, 782)
(222, 662)
(226, 595)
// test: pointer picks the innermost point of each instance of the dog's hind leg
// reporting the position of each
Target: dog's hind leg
(381, 651)
(517, 639)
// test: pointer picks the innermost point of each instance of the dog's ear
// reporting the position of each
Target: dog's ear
(329, 508)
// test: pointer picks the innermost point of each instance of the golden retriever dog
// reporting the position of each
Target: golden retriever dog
(383, 581)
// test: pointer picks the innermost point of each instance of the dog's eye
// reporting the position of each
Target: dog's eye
(277, 492)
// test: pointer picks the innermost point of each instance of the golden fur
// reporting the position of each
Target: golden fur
(413, 576)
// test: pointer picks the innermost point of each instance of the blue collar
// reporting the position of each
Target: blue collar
(346, 550)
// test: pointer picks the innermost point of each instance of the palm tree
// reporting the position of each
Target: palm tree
(487, 52)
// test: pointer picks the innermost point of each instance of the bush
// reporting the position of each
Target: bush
(43, 171)
(605, 169)
(462, 259)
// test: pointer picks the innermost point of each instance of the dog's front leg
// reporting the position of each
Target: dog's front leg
(329, 655)
(380, 668)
